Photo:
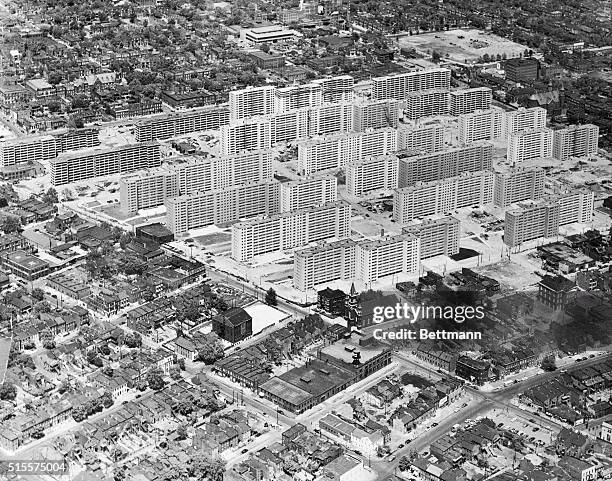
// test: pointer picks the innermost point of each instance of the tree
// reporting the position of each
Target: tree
(155, 379)
(175, 373)
(105, 350)
(79, 413)
(181, 364)
(265, 48)
(181, 432)
(68, 194)
(125, 239)
(148, 293)
(549, 364)
(211, 350)
(37, 294)
(11, 224)
(133, 340)
(404, 463)
(54, 78)
(8, 392)
(106, 400)
(204, 468)
(49, 344)
(436, 56)
(50, 197)
(271, 297)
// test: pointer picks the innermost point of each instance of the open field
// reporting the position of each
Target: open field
(464, 46)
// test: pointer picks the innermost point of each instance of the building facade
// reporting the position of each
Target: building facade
(467, 101)
(481, 125)
(370, 174)
(576, 141)
(437, 236)
(517, 185)
(98, 162)
(290, 230)
(300, 194)
(398, 86)
(426, 103)
(201, 209)
(166, 126)
(444, 164)
(421, 138)
(146, 190)
(529, 144)
(471, 189)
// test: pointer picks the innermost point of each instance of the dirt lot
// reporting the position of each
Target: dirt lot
(472, 45)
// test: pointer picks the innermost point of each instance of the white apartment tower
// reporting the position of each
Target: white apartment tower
(290, 230)
(324, 263)
(518, 185)
(529, 144)
(202, 209)
(469, 100)
(531, 222)
(376, 114)
(197, 174)
(421, 138)
(471, 189)
(370, 174)
(146, 190)
(398, 86)
(436, 236)
(297, 97)
(299, 194)
(337, 150)
(575, 206)
(366, 260)
(250, 134)
(165, 126)
(443, 164)
(481, 125)
(524, 119)
(251, 101)
(575, 140)
(426, 103)
(337, 89)
(86, 164)
(383, 257)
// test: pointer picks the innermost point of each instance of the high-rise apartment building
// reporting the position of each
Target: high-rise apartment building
(367, 260)
(529, 144)
(575, 206)
(147, 189)
(426, 103)
(98, 162)
(481, 125)
(370, 174)
(166, 126)
(375, 114)
(290, 230)
(40, 148)
(399, 85)
(467, 101)
(337, 89)
(384, 257)
(543, 218)
(197, 174)
(443, 164)
(297, 97)
(471, 189)
(517, 185)
(337, 150)
(251, 102)
(521, 119)
(421, 138)
(575, 140)
(531, 222)
(436, 236)
(248, 134)
(299, 194)
(324, 263)
(202, 209)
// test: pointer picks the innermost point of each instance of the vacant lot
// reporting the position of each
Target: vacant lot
(463, 45)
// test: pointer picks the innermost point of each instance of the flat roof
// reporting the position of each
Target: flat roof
(26, 260)
(316, 377)
(344, 349)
